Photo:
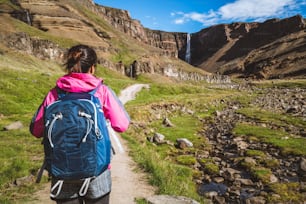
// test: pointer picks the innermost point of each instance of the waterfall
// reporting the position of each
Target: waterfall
(188, 54)
(28, 17)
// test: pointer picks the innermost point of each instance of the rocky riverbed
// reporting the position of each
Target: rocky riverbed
(244, 169)
(235, 182)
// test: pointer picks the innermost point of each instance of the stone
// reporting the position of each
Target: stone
(246, 182)
(273, 178)
(168, 199)
(256, 200)
(218, 179)
(183, 143)
(230, 174)
(158, 138)
(167, 123)
(219, 200)
(210, 194)
(250, 160)
(24, 180)
(14, 126)
(303, 164)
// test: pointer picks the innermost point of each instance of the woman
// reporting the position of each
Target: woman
(81, 65)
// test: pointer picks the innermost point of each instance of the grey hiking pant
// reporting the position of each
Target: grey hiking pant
(103, 200)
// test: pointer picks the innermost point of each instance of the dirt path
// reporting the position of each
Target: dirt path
(127, 184)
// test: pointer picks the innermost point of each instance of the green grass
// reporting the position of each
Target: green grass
(20, 90)
(36, 33)
(187, 160)
(288, 144)
(21, 155)
(266, 116)
(262, 174)
(287, 193)
(257, 153)
(209, 166)
(282, 83)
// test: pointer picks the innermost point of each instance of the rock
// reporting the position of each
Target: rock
(230, 174)
(256, 200)
(14, 126)
(241, 145)
(250, 160)
(158, 138)
(167, 199)
(246, 182)
(303, 164)
(234, 192)
(24, 180)
(183, 143)
(167, 123)
(210, 194)
(219, 200)
(218, 179)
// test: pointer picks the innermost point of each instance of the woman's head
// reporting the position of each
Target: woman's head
(80, 59)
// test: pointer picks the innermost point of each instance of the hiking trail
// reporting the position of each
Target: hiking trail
(126, 183)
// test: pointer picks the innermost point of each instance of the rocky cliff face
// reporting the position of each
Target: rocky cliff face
(238, 49)
(173, 44)
(273, 49)
(81, 21)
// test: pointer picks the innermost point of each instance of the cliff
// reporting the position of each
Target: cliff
(50, 27)
(272, 49)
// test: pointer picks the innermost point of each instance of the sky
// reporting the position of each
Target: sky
(191, 16)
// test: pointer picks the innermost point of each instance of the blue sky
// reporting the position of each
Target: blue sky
(191, 16)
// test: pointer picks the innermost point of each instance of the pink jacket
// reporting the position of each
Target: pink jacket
(80, 82)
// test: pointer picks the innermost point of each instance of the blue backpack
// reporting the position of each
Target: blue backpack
(76, 143)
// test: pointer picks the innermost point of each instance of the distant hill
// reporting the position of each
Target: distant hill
(273, 49)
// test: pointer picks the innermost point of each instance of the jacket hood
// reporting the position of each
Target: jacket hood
(78, 82)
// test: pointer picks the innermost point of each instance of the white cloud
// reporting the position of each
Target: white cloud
(253, 9)
(207, 18)
(242, 10)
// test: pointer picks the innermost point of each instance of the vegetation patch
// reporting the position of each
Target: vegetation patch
(261, 173)
(36, 33)
(297, 83)
(287, 143)
(287, 193)
(269, 117)
(209, 166)
(255, 153)
(187, 160)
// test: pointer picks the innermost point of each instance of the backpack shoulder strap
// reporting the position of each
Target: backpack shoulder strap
(61, 93)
